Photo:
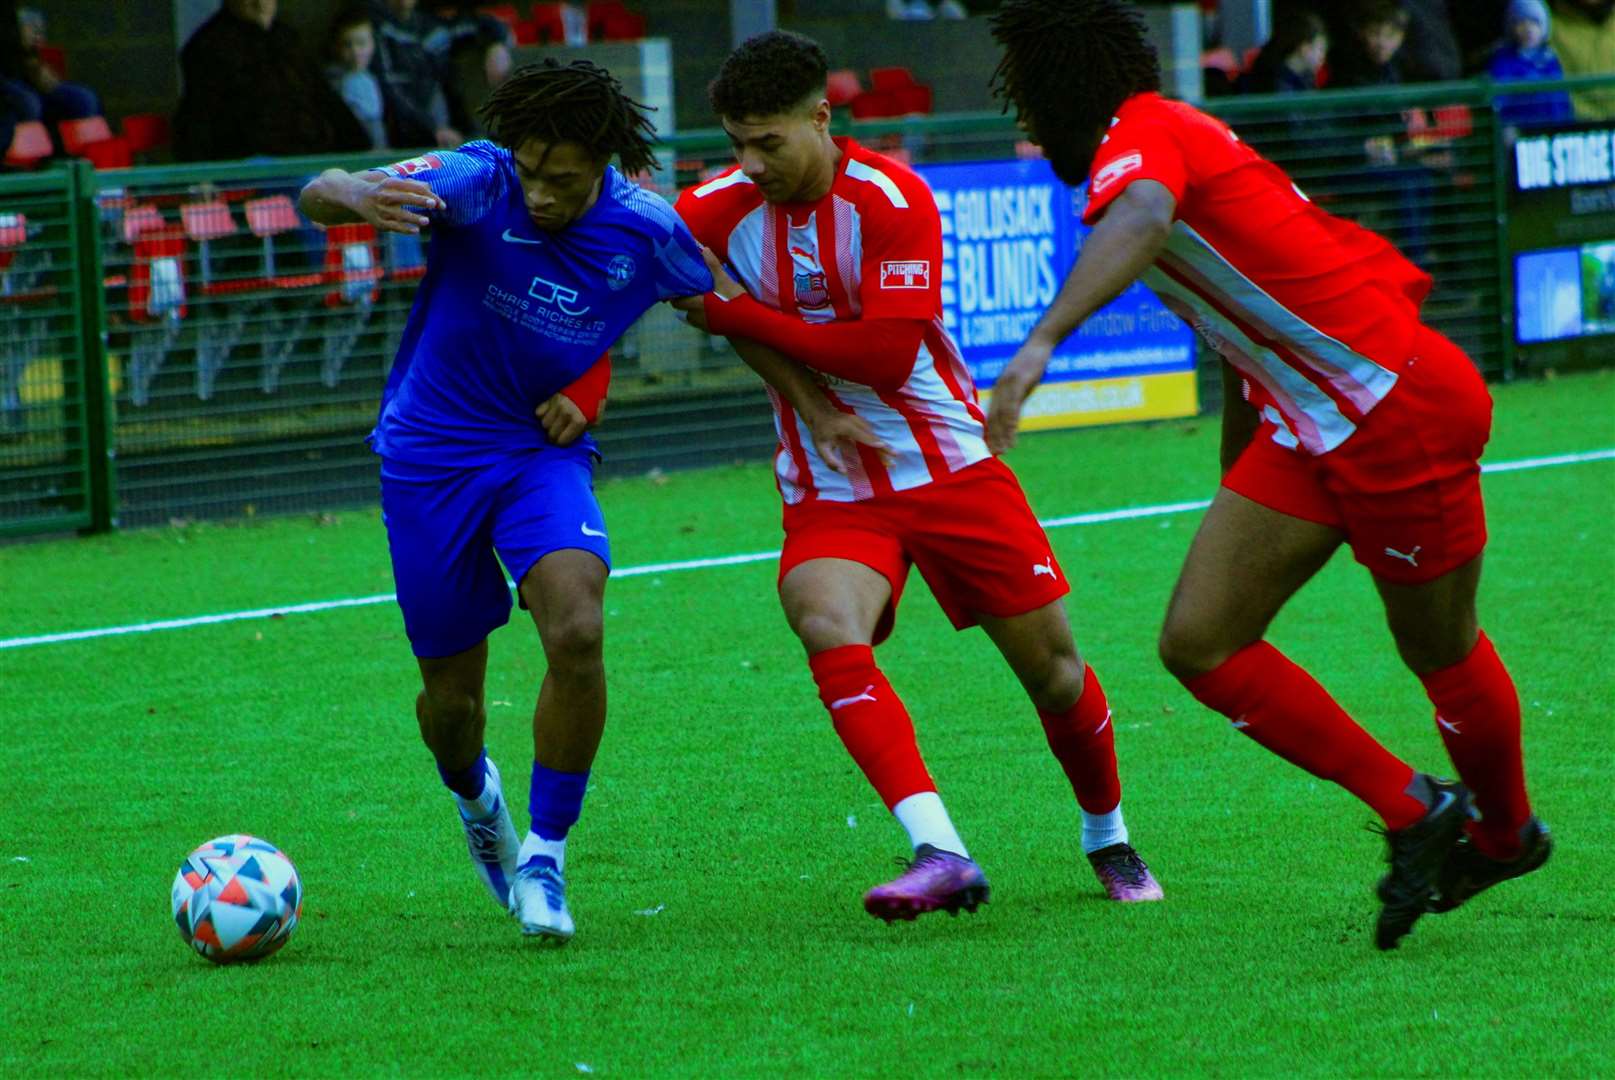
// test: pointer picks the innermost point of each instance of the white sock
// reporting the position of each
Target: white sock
(483, 805)
(926, 820)
(1103, 830)
(537, 845)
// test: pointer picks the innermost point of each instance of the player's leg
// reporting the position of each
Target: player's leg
(838, 607)
(1438, 635)
(1246, 561)
(1409, 487)
(549, 530)
(987, 560)
(1076, 720)
(452, 594)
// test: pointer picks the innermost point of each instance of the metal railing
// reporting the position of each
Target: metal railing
(245, 350)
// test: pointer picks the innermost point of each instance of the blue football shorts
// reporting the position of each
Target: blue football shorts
(445, 527)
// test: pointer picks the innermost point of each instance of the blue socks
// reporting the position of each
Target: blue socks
(468, 782)
(555, 800)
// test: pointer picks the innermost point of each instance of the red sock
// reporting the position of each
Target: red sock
(1478, 715)
(1084, 743)
(871, 720)
(1279, 705)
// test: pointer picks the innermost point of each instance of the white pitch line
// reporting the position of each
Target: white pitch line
(1129, 513)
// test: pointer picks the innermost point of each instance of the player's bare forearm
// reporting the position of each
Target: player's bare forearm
(1239, 419)
(1121, 247)
(793, 381)
(332, 197)
(337, 197)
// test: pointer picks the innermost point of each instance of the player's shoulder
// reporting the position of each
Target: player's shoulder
(643, 205)
(720, 194)
(881, 183)
(478, 155)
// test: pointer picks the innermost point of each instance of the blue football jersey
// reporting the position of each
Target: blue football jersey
(508, 314)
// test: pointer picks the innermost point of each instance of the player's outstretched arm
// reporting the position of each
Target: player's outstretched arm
(833, 432)
(1122, 246)
(337, 197)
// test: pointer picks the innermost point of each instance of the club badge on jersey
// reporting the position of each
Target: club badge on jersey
(812, 290)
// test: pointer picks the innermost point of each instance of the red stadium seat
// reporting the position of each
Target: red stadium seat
(139, 220)
(207, 221)
(76, 134)
(146, 131)
(110, 153)
(351, 263)
(842, 86)
(549, 23)
(30, 144)
(610, 20)
(884, 79)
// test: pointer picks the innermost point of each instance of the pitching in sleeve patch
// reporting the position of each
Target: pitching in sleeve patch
(424, 163)
(905, 274)
(1127, 163)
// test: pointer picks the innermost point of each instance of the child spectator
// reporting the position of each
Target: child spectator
(1368, 51)
(1292, 57)
(353, 45)
(1525, 55)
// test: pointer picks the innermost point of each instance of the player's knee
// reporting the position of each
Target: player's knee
(1056, 684)
(821, 630)
(1188, 651)
(445, 712)
(575, 641)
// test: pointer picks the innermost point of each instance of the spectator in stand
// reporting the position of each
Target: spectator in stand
(1366, 54)
(1583, 38)
(29, 88)
(250, 91)
(1526, 55)
(353, 46)
(480, 39)
(1292, 57)
(1431, 53)
(412, 61)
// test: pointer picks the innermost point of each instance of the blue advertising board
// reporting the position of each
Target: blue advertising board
(1010, 233)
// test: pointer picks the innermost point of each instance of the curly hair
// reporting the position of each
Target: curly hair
(1071, 63)
(579, 102)
(768, 74)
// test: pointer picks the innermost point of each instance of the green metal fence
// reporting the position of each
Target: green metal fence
(53, 454)
(245, 351)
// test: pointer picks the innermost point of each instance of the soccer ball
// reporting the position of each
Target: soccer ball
(236, 898)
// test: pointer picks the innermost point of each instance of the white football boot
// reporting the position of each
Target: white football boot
(538, 901)
(492, 841)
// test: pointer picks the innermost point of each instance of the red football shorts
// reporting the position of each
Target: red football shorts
(1405, 487)
(973, 537)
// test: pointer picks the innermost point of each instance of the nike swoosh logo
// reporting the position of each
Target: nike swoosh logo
(591, 532)
(509, 239)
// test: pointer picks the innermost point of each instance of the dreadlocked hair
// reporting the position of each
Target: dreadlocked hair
(767, 75)
(1072, 62)
(580, 102)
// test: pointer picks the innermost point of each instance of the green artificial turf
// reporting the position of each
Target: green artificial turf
(726, 839)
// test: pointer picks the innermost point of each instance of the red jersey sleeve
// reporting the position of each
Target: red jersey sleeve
(1143, 144)
(588, 391)
(901, 234)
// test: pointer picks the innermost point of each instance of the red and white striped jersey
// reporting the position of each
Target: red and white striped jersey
(871, 248)
(1318, 314)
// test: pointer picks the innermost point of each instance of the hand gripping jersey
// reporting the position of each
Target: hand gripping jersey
(508, 314)
(871, 248)
(1318, 314)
